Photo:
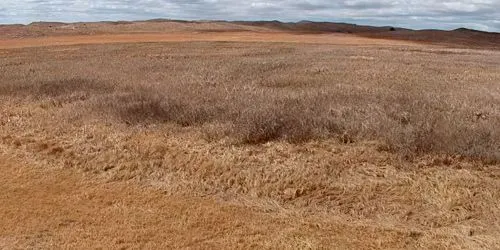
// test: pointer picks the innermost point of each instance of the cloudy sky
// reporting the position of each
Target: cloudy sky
(419, 14)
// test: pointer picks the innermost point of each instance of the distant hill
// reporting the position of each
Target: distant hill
(458, 37)
(315, 27)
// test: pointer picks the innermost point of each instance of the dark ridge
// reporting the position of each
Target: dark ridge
(17, 25)
(166, 20)
(319, 27)
(118, 22)
(474, 31)
(466, 30)
(47, 24)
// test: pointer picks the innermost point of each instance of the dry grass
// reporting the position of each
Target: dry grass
(413, 105)
(307, 131)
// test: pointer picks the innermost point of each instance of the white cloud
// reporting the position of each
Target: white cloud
(448, 14)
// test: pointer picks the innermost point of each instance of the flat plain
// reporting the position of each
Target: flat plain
(226, 135)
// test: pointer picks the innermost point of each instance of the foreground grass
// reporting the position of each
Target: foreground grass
(374, 146)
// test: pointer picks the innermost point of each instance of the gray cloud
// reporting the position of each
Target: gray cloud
(366, 5)
(445, 14)
(307, 6)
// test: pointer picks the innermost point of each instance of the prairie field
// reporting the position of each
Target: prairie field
(248, 140)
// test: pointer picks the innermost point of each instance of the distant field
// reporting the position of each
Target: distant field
(247, 139)
(270, 37)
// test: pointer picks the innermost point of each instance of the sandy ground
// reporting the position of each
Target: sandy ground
(340, 39)
(48, 209)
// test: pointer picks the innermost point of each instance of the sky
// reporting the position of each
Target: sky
(417, 14)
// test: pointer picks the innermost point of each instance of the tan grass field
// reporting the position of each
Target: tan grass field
(270, 37)
(247, 139)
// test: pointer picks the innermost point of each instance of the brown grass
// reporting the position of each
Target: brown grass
(282, 96)
(388, 139)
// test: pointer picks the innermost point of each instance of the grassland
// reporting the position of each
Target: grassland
(251, 144)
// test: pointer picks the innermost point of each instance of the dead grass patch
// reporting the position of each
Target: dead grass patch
(56, 88)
